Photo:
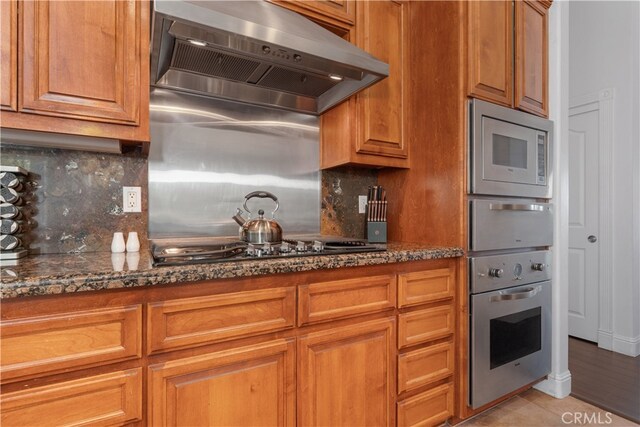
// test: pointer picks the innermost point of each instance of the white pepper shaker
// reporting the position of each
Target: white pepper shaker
(133, 244)
(117, 244)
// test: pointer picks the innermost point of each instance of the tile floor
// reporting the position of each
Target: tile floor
(536, 409)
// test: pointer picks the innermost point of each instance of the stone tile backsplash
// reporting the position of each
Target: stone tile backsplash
(340, 190)
(78, 197)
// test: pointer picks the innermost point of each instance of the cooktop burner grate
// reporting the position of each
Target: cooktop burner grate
(189, 252)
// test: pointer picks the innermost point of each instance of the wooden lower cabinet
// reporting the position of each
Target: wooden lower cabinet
(430, 408)
(346, 376)
(73, 339)
(230, 353)
(318, 302)
(246, 386)
(99, 400)
(188, 322)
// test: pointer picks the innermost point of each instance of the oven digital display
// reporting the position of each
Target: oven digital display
(515, 335)
(510, 152)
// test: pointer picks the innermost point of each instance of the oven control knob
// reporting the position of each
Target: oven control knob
(537, 266)
(495, 272)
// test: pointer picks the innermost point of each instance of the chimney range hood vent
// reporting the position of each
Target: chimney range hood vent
(258, 53)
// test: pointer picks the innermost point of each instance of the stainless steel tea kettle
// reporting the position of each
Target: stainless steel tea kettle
(260, 230)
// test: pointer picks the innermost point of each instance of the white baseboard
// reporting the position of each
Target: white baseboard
(626, 345)
(605, 340)
(556, 385)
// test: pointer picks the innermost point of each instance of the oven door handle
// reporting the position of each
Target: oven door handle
(516, 207)
(510, 296)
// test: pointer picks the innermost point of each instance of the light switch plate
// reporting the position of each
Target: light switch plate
(362, 204)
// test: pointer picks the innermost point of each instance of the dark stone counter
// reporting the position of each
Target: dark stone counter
(68, 273)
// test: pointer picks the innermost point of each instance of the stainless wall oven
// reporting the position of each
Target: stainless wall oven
(510, 235)
(511, 326)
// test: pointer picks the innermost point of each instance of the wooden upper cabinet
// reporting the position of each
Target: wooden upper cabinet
(80, 59)
(381, 26)
(9, 47)
(507, 44)
(83, 68)
(245, 386)
(323, 10)
(490, 50)
(531, 77)
(346, 376)
(370, 129)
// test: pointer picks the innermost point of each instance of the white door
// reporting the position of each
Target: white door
(583, 223)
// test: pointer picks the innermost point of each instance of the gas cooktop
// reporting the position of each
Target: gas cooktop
(210, 250)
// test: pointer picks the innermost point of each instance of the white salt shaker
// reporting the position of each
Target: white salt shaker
(117, 244)
(133, 244)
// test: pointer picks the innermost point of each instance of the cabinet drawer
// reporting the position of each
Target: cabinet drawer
(424, 366)
(425, 325)
(101, 400)
(427, 409)
(192, 321)
(343, 298)
(69, 340)
(425, 286)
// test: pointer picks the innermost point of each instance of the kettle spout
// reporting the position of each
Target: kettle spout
(238, 217)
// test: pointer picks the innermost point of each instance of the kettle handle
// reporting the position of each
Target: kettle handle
(261, 195)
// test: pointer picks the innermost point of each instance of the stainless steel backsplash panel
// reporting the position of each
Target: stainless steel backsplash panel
(207, 154)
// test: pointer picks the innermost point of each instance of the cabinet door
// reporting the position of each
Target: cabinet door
(9, 48)
(346, 376)
(490, 50)
(81, 59)
(382, 28)
(531, 33)
(247, 386)
(327, 11)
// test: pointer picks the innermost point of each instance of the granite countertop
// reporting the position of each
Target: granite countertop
(69, 273)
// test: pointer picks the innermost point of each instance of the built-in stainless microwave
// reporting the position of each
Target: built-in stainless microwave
(510, 152)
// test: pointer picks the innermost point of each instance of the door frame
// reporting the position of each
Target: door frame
(603, 102)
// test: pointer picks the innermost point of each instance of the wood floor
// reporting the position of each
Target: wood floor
(606, 379)
(536, 409)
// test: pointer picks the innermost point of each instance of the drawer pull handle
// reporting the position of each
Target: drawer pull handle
(516, 207)
(510, 296)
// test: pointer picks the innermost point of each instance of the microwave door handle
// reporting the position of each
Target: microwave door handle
(516, 207)
(510, 296)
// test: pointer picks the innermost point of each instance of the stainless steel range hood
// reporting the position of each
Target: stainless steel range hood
(256, 52)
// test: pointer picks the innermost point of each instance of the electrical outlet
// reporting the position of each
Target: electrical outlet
(362, 204)
(132, 199)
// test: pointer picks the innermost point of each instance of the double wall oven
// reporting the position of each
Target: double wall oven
(511, 231)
